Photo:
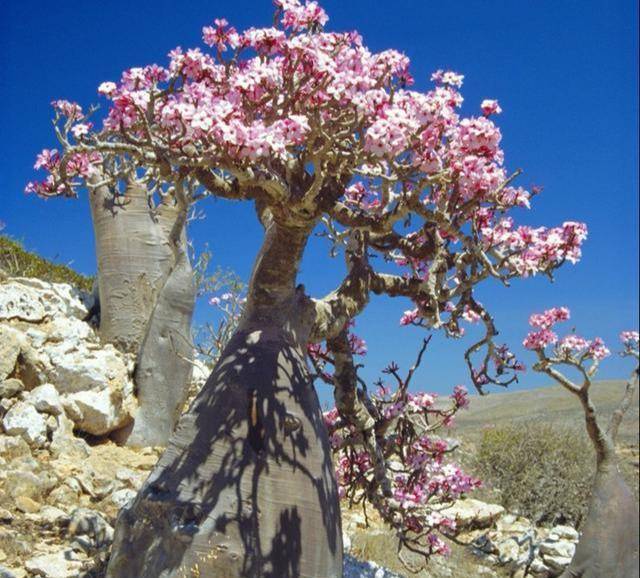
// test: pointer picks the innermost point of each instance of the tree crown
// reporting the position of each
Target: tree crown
(316, 128)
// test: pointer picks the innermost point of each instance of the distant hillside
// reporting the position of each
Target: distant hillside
(551, 404)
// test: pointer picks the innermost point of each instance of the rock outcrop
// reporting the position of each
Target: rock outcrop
(51, 363)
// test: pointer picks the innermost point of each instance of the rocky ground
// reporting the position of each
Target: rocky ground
(62, 479)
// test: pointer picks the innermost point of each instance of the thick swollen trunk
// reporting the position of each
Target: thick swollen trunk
(608, 546)
(245, 488)
(609, 542)
(146, 302)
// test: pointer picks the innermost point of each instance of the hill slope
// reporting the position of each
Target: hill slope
(551, 404)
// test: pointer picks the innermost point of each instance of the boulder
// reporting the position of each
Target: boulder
(45, 399)
(58, 298)
(10, 387)
(6, 573)
(50, 515)
(92, 526)
(75, 369)
(557, 564)
(10, 345)
(120, 498)
(63, 564)
(69, 330)
(560, 548)
(27, 505)
(17, 301)
(13, 447)
(24, 420)
(23, 483)
(469, 513)
(99, 412)
(538, 568)
(63, 441)
(564, 533)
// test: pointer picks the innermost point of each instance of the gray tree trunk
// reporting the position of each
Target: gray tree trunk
(246, 486)
(608, 546)
(146, 302)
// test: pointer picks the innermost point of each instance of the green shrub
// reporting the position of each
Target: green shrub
(541, 471)
(16, 261)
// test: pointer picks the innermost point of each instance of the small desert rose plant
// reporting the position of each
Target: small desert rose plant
(609, 542)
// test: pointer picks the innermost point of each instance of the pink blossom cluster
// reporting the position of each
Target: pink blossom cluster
(221, 35)
(544, 337)
(574, 346)
(550, 317)
(490, 106)
(410, 316)
(460, 396)
(420, 474)
(75, 165)
(571, 346)
(630, 339)
(530, 250)
(300, 16)
(249, 107)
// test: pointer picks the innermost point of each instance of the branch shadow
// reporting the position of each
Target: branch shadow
(246, 486)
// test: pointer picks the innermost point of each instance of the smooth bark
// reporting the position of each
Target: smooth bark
(246, 486)
(146, 302)
(608, 545)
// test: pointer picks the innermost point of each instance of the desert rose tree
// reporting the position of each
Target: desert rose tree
(609, 542)
(315, 130)
(145, 291)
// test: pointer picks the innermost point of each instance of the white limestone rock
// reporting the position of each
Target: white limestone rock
(24, 420)
(10, 388)
(564, 533)
(45, 399)
(63, 564)
(469, 513)
(120, 498)
(10, 345)
(58, 298)
(99, 412)
(561, 548)
(557, 564)
(76, 369)
(17, 301)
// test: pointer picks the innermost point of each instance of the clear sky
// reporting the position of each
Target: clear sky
(564, 71)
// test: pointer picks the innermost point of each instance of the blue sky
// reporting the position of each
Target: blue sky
(565, 73)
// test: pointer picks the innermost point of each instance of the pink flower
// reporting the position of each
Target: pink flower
(630, 338)
(81, 129)
(597, 349)
(549, 317)
(447, 78)
(490, 107)
(48, 159)
(107, 89)
(409, 317)
(299, 17)
(71, 110)
(540, 339)
(460, 396)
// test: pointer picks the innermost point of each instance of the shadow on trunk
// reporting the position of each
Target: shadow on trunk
(246, 486)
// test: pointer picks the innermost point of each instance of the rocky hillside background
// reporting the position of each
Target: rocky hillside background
(63, 398)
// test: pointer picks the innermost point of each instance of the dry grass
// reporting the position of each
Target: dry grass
(16, 261)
